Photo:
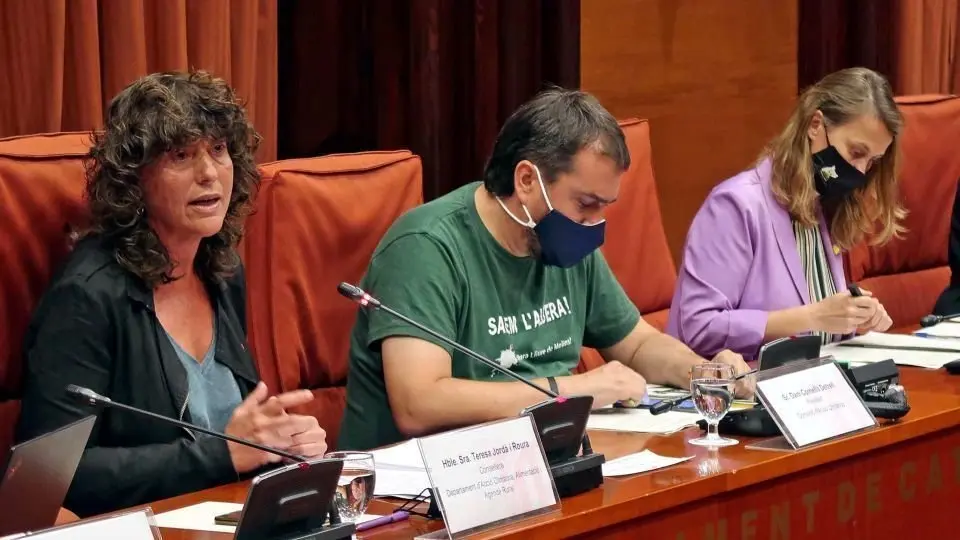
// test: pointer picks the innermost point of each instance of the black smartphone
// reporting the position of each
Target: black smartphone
(228, 519)
(855, 290)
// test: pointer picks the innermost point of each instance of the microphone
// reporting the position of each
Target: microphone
(358, 295)
(932, 320)
(561, 421)
(92, 398)
(335, 529)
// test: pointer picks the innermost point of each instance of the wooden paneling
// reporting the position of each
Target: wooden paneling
(716, 79)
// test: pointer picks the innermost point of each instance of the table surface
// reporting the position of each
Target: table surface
(934, 397)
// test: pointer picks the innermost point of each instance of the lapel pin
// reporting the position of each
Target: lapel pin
(836, 250)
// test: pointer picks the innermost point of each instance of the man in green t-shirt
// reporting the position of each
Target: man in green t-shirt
(509, 268)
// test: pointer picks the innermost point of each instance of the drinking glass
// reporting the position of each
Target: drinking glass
(712, 386)
(355, 488)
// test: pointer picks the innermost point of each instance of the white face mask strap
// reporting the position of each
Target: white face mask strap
(529, 224)
(542, 188)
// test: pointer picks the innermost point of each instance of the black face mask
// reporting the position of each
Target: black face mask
(834, 177)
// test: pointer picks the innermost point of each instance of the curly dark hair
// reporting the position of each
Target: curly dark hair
(151, 116)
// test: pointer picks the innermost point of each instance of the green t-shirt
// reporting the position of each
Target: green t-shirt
(439, 265)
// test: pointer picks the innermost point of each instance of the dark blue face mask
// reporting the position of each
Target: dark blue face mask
(563, 242)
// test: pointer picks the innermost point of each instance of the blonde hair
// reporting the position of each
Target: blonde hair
(872, 210)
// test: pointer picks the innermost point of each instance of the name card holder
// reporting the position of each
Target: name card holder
(811, 401)
(488, 475)
(129, 525)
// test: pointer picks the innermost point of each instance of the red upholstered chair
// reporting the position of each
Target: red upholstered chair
(318, 221)
(41, 192)
(636, 245)
(908, 275)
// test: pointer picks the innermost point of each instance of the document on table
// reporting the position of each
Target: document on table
(201, 516)
(639, 462)
(400, 471)
(640, 420)
(904, 350)
(944, 330)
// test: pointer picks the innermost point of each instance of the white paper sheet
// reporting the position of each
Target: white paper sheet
(640, 420)
(128, 525)
(402, 484)
(879, 339)
(639, 462)
(200, 517)
(405, 455)
(944, 329)
(883, 347)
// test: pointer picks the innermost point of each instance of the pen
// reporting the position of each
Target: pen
(399, 515)
(933, 336)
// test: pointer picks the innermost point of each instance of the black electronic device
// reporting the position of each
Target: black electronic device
(561, 420)
(932, 320)
(37, 475)
(879, 386)
(291, 502)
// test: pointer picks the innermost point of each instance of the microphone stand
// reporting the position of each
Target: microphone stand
(336, 530)
(556, 418)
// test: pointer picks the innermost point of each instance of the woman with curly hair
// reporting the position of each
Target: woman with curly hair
(762, 258)
(149, 308)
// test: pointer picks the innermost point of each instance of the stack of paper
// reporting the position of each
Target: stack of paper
(400, 471)
(639, 462)
(640, 420)
(903, 349)
(943, 330)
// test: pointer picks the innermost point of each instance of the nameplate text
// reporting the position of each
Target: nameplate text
(489, 474)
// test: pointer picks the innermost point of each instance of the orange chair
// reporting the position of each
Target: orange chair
(41, 192)
(636, 245)
(318, 221)
(908, 275)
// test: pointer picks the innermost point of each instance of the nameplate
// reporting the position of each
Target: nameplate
(487, 475)
(812, 401)
(132, 525)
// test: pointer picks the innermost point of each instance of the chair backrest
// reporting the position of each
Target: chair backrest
(636, 245)
(41, 195)
(317, 223)
(907, 275)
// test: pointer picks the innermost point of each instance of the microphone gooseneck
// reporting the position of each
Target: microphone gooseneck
(361, 297)
(90, 397)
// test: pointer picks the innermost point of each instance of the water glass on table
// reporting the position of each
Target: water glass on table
(357, 481)
(712, 386)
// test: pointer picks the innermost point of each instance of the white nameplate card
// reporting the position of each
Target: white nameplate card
(132, 525)
(812, 401)
(484, 476)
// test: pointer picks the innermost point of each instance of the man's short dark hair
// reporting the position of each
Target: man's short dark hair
(549, 130)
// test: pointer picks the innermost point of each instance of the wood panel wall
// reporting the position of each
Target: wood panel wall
(715, 78)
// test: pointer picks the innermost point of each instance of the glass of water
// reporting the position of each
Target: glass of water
(355, 488)
(712, 386)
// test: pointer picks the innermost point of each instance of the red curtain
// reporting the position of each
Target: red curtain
(63, 60)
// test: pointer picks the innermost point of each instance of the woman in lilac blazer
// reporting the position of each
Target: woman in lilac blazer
(762, 258)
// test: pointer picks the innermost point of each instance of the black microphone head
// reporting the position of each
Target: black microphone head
(357, 294)
(930, 320)
(85, 394)
(350, 291)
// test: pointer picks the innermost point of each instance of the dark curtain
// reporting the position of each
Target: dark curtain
(435, 76)
(836, 34)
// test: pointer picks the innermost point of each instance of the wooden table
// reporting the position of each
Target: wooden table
(898, 479)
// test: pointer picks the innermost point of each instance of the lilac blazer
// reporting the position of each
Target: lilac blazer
(740, 262)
